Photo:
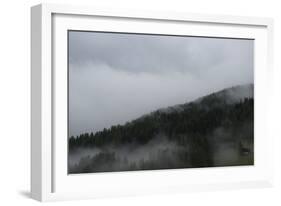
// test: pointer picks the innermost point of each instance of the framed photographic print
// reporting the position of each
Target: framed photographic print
(136, 102)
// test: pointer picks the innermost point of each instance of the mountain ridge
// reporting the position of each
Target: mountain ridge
(230, 93)
(215, 130)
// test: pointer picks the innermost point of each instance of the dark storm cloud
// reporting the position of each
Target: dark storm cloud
(114, 78)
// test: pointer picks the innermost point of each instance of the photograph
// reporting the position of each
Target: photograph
(139, 101)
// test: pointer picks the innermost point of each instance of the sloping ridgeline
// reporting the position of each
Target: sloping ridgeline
(215, 130)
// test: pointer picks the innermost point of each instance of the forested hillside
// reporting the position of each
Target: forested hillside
(215, 130)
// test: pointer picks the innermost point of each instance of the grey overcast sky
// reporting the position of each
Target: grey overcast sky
(115, 78)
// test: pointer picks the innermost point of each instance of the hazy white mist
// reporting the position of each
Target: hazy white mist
(114, 78)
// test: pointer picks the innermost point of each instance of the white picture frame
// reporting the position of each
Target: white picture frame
(49, 178)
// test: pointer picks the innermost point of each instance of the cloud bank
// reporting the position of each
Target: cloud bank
(114, 78)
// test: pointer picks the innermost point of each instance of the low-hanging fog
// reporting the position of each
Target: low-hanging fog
(115, 78)
(132, 153)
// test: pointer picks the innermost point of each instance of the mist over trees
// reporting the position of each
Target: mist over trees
(215, 130)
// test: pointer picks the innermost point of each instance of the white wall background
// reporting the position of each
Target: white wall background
(15, 101)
